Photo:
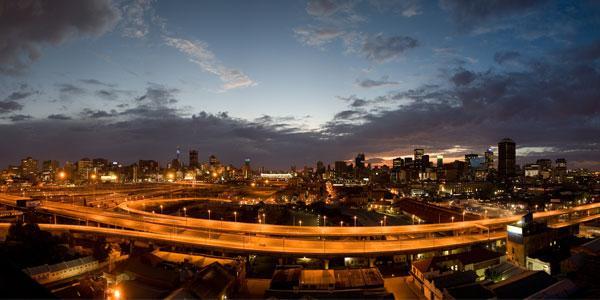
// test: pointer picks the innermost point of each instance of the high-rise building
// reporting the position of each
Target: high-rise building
(246, 169)
(84, 168)
(425, 161)
(469, 158)
(359, 161)
(544, 163)
(561, 167)
(193, 159)
(398, 162)
(213, 161)
(489, 158)
(341, 168)
(29, 167)
(506, 158)
(419, 154)
(440, 161)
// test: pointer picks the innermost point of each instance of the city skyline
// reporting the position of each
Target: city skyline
(292, 83)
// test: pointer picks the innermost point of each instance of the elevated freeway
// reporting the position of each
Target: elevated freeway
(277, 239)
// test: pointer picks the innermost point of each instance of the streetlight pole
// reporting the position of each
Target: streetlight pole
(385, 221)
(354, 221)
(324, 221)
(235, 216)
(452, 219)
(300, 222)
(264, 218)
(209, 214)
(341, 223)
(161, 209)
(185, 214)
(464, 215)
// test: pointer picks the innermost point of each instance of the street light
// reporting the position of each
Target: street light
(381, 222)
(209, 214)
(161, 208)
(324, 220)
(354, 221)
(452, 219)
(341, 223)
(384, 220)
(300, 222)
(464, 215)
(235, 216)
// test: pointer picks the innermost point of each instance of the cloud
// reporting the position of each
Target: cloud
(335, 12)
(19, 117)
(463, 77)
(503, 57)
(370, 83)
(98, 114)
(27, 26)
(18, 95)
(379, 48)
(97, 82)
(317, 37)
(470, 14)
(406, 8)
(199, 54)
(60, 117)
(70, 89)
(8, 106)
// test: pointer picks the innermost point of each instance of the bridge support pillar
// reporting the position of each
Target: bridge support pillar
(371, 262)
(326, 264)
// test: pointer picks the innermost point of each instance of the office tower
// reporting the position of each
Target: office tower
(29, 167)
(425, 161)
(561, 167)
(397, 162)
(506, 158)
(247, 171)
(359, 161)
(440, 161)
(341, 168)
(470, 159)
(418, 159)
(419, 154)
(193, 158)
(320, 168)
(213, 161)
(545, 164)
(489, 158)
(84, 168)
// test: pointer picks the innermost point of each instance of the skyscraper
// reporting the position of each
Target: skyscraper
(506, 158)
(489, 158)
(440, 161)
(418, 158)
(359, 162)
(193, 159)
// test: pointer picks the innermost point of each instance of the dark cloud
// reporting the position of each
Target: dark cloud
(503, 57)
(8, 106)
(158, 95)
(107, 94)
(463, 77)
(18, 95)
(468, 14)
(97, 82)
(379, 48)
(60, 117)
(26, 26)
(370, 83)
(70, 89)
(97, 114)
(18, 118)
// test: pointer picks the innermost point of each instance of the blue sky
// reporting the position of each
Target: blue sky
(336, 76)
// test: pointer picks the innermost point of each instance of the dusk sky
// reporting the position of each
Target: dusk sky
(292, 82)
